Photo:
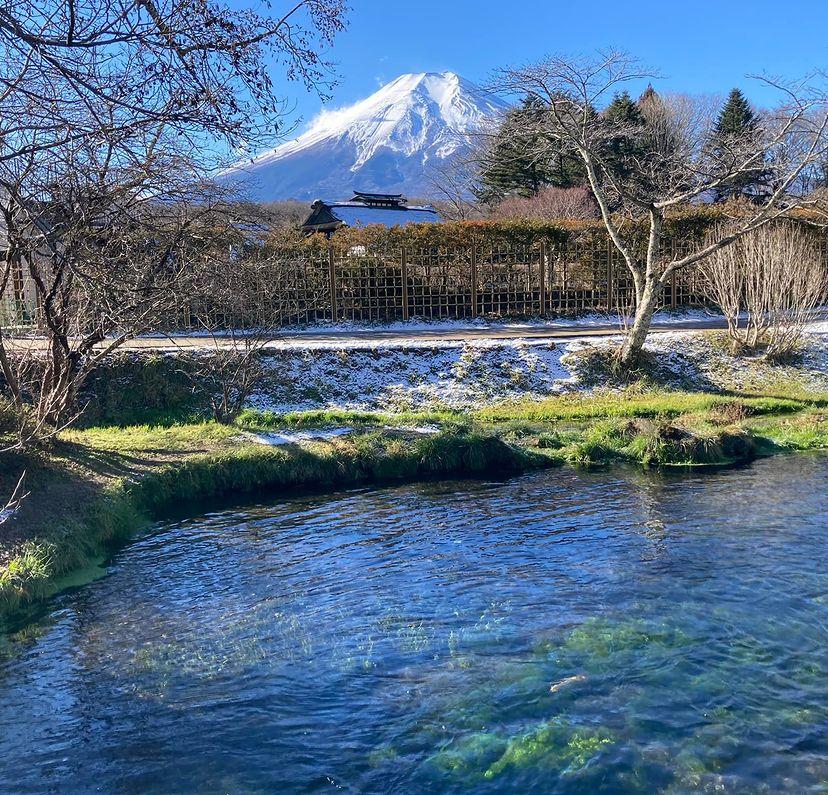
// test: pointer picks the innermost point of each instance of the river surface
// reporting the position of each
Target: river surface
(558, 632)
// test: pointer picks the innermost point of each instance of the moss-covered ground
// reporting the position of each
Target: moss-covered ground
(97, 485)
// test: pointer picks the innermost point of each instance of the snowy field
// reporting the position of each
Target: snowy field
(417, 374)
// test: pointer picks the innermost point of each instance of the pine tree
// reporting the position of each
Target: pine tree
(735, 123)
(626, 123)
(521, 162)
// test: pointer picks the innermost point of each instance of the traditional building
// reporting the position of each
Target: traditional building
(365, 209)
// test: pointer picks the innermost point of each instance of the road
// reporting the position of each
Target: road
(300, 338)
(373, 336)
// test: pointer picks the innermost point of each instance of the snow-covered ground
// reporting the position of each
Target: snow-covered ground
(281, 438)
(417, 374)
(401, 376)
(290, 334)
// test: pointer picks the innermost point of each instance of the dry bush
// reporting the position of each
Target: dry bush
(233, 300)
(768, 284)
(225, 376)
(550, 204)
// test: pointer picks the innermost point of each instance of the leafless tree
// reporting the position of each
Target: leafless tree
(768, 284)
(550, 204)
(450, 186)
(72, 68)
(104, 248)
(668, 161)
(111, 114)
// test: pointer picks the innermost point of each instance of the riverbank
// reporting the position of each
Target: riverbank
(100, 485)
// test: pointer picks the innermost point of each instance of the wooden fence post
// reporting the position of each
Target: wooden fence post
(404, 268)
(610, 279)
(542, 277)
(474, 280)
(673, 290)
(332, 281)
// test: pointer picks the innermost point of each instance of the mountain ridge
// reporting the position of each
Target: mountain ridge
(388, 142)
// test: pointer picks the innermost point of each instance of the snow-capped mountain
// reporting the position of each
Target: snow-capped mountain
(387, 143)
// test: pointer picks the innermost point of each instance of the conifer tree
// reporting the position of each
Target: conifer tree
(737, 122)
(520, 163)
(624, 117)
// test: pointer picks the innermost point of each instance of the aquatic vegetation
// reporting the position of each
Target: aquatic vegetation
(553, 744)
(470, 756)
(600, 637)
(382, 755)
(413, 637)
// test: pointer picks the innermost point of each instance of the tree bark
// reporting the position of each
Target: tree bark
(645, 308)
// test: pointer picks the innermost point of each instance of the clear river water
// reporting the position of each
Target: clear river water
(558, 632)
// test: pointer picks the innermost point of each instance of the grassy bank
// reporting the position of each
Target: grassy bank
(101, 485)
(98, 485)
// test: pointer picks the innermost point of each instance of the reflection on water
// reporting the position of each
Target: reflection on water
(568, 632)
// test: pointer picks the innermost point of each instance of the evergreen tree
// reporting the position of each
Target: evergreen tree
(641, 140)
(624, 143)
(735, 124)
(521, 161)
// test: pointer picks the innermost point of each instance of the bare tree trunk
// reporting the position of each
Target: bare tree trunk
(645, 308)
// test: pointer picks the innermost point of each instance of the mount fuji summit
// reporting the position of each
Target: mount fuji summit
(388, 143)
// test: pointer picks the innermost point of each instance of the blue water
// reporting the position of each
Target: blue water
(558, 632)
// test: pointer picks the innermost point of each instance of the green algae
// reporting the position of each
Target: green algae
(601, 637)
(552, 744)
(470, 756)
(382, 755)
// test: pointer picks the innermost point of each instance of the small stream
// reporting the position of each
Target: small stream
(563, 631)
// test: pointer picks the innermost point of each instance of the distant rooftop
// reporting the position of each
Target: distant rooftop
(366, 209)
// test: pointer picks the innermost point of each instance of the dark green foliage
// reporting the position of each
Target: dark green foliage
(737, 127)
(521, 161)
(641, 145)
(736, 117)
(624, 145)
(136, 389)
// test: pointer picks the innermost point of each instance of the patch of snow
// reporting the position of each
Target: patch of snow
(277, 439)
(411, 375)
(424, 430)
(273, 439)
(416, 374)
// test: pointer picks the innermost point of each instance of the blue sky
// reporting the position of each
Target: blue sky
(699, 46)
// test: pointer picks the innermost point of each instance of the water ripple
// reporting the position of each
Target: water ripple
(566, 632)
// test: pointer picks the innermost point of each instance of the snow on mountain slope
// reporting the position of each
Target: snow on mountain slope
(386, 143)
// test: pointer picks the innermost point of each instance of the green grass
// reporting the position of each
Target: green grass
(634, 403)
(323, 418)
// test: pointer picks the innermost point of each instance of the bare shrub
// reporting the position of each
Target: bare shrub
(227, 375)
(767, 284)
(550, 204)
(233, 301)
